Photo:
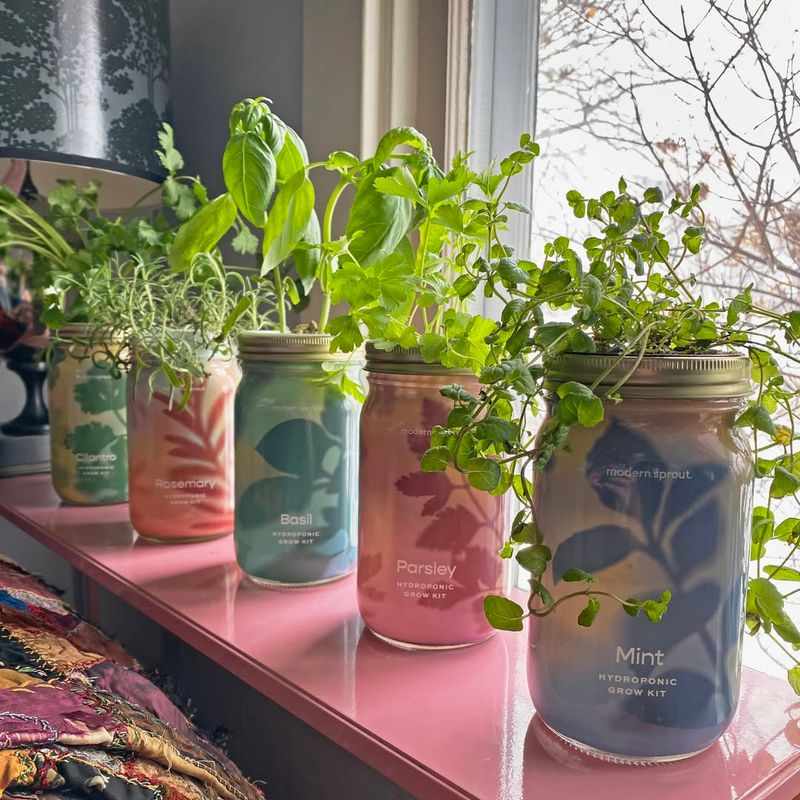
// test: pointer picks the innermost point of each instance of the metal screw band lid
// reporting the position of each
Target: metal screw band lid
(406, 360)
(704, 375)
(305, 347)
(84, 332)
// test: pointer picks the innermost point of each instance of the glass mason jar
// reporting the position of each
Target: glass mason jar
(181, 459)
(88, 435)
(657, 497)
(428, 541)
(296, 462)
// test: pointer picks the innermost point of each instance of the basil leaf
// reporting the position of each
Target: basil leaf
(287, 220)
(396, 137)
(202, 232)
(380, 220)
(249, 169)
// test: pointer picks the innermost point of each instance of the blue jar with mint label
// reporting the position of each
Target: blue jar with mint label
(296, 461)
(656, 498)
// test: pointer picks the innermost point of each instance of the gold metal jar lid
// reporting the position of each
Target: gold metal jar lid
(406, 360)
(288, 347)
(703, 376)
(85, 333)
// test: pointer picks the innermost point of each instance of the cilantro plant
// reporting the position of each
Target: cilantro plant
(627, 292)
(112, 274)
(74, 237)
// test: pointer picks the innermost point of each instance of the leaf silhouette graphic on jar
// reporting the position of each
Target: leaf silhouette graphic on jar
(309, 460)
(613, 467)
(672, 518)
(369, 567)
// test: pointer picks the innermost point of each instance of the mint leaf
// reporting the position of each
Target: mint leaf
(502, 613)
(588, 615)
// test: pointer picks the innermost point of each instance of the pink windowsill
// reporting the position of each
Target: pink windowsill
(458, 724)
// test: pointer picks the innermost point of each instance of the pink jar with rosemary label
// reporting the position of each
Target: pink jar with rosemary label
(428, 541)
(180, 458)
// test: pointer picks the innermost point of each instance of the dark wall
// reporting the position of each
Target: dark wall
(223, 51)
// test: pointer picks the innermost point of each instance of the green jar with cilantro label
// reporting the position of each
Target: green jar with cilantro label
(88, 436)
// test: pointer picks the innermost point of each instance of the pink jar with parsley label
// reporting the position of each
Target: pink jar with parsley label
(428, 541)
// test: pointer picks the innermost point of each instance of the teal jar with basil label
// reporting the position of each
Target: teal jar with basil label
(88, 433)
(296, 461)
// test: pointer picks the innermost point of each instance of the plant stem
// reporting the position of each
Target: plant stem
(327, 226)
(280, 294)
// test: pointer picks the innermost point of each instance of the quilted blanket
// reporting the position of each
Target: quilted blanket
(78, 718)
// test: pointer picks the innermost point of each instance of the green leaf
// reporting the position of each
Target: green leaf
(510, 272)
(230, 322)
(404, 135)
(169, 156)
(399, 182)
(288, 220)
(436, 459)
(483, 473)
(346, 334)
(342, 161)
(202, 232)
(534, 559)
(377, 222)
(653, 195)
(465, 285)
(432, 345)
(292, 157)
(306, 256)
(245, 242)
(768, 598)
(793, 676)
(502, 613)
(740, 304)
(249, 169)
(784, 483)
(527, 534)
(574, 574)
(577, 403)
(693, 239)
(588, 615)
(655, 609)
(592, 291)
(757, 417)
(496, 429)
(782, 573)
(455, 391)
(788, 529)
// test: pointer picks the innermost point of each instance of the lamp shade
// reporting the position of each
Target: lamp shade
(84, 83)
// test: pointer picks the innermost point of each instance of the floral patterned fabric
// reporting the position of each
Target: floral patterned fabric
(78, 718)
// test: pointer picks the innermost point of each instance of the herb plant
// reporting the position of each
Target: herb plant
(404, 266)
(113, 275)
(74, 237)
(627, 292)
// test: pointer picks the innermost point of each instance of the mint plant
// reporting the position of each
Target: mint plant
(627, 291)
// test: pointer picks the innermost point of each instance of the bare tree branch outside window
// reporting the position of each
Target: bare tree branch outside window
(701, 92)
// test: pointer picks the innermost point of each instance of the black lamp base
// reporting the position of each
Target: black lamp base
(34, 419)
